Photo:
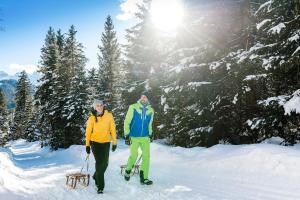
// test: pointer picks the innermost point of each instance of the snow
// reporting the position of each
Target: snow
(160, 126)
(279, 99)
(198, 84)
(253, 124)
(298, 49)
(131, 89)
(268, 3)
(267, 63)
(290, 103)
(235, 98)
(163, 100)
(214, 65)
(167, 90)
(273, 140)
(245, 54)
(259, 25)
(231, 172)
(293, 104)
(247, 88)
(254, 77)
(277, 29)
(294, 38)
(228, 66)
(177, 68)
(205, 129)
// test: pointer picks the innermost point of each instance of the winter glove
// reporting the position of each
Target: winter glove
(127, 140)
(88, 149)
(151, 138)
(114, 147)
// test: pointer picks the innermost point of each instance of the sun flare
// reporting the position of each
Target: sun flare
(166, 15)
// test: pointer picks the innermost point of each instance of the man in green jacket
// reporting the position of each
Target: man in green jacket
(138, 133)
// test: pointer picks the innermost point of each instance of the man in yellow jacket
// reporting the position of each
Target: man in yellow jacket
(100, 131)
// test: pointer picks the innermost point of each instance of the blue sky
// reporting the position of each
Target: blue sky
(27, 21)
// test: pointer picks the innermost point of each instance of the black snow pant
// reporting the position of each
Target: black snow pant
(101, 154)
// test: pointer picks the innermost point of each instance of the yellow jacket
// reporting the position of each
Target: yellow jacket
(102, 131)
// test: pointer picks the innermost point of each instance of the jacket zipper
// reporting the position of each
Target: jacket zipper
(143, 113)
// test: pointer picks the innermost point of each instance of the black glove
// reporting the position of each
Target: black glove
(127, 140)
(88, 149)
(114, 147)
(151, 138)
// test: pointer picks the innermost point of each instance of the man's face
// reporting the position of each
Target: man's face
(144, 99)
(99, 108)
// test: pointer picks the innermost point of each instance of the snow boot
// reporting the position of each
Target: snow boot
(127, 175)
(99, 191)
(143, 180)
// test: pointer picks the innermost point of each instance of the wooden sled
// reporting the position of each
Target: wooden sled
(79, 177)
(73, 179)
(135, 170)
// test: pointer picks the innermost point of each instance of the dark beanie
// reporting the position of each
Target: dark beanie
(146, 93)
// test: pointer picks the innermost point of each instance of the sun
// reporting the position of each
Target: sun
(166, 15)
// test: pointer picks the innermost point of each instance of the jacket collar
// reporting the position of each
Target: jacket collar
(94, 113)
(141, 105)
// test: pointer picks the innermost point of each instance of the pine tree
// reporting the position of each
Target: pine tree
(277, 53)
(111, 72)
(44, 99)
(109, 65)
(93, 84)
(146, 52)
(143, 53)
(75, 109)
(3, 119)
(23, 110)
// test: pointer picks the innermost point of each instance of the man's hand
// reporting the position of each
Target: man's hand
(151, 138)
(127, 140)
(88, 149)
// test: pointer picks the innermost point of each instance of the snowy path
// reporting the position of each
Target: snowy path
(245, 172)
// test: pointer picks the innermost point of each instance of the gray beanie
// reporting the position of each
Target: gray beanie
(97, 102)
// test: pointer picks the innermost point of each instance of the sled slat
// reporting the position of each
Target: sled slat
(83, 179)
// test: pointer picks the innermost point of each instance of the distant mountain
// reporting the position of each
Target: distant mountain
(8, 85)
(5, 76)
(34, 77)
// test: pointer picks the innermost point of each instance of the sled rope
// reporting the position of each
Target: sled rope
(80, 177)
(86, 162)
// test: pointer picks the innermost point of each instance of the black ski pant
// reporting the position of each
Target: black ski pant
(101, 154)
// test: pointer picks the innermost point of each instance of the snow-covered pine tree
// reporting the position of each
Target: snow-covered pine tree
(277, 52)
(142, 53)
(146, 49)
(109, 62)
(189, 91)
(93, 84)
(23, 110)
(44, 96)
(110, 71)
(232, 104)
(258, 72)
(4, 128)
(61, 87)
(75, 109)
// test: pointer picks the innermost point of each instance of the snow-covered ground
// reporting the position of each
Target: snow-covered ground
(243, 172)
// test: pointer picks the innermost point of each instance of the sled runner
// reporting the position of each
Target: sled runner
(79, 177)
(135, 169)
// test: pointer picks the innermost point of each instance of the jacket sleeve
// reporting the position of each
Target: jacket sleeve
(88, 131)
(150, 124)
(113, 130)
(127, 121)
